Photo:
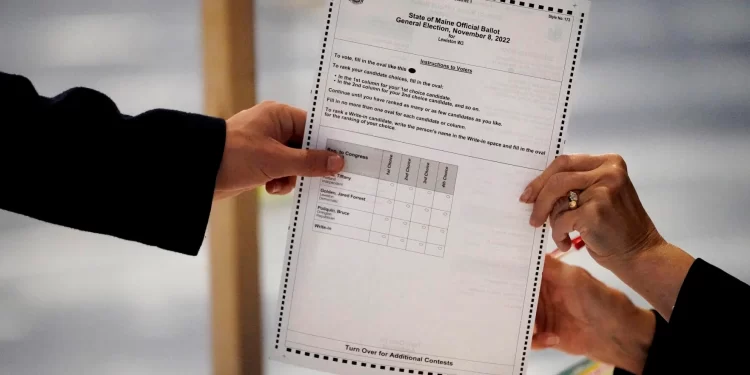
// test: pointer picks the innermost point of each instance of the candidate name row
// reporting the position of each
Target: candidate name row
(390, 166)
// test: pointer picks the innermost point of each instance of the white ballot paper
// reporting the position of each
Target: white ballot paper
(418, 257)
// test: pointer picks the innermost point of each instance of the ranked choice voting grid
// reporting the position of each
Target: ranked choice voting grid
(418, 258)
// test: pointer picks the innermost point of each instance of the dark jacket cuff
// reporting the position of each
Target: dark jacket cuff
(190, 174)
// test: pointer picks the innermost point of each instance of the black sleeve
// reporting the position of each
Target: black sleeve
(708, 330)
(76, 161)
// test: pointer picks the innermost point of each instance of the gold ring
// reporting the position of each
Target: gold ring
(572, 200)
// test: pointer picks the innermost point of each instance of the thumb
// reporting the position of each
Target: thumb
(308, 163)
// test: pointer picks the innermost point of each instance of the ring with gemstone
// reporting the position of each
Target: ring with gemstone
(572, 200)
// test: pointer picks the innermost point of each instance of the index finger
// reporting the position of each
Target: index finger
(292, 121)
(564, 163)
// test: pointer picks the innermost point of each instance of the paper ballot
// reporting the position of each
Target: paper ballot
(418, 257)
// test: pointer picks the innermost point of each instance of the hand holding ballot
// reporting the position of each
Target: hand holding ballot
(579, 315)
(609, 216)
(163, 167)
(263, 148)
(617, 230)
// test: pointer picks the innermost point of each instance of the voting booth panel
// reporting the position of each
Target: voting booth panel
(229, 81)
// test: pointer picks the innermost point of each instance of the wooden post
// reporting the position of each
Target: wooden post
(235, 292)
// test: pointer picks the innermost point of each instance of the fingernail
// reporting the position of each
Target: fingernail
(335, 163)
(275, 187)
(526, 195)
(552, 341)
(532, 222)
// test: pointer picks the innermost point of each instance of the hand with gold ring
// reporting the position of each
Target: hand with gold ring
(572, 200)
(593, 195)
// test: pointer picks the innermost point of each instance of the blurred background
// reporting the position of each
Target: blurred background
(664, 83)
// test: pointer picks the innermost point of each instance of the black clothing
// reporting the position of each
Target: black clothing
(76, 161)
(708, 330)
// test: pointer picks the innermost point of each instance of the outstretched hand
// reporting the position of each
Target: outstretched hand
(263, 147)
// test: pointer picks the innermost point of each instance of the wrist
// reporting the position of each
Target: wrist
(635, 340)
(624, 258)
(235, 152)
(629, 337)
(656, 273)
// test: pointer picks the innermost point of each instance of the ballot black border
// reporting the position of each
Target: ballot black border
(300, 187)
(535, 6)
